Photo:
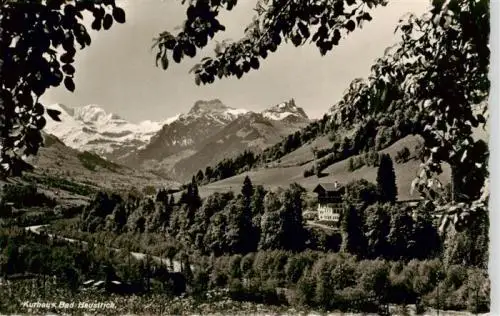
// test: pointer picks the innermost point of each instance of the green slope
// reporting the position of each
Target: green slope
(282, 176)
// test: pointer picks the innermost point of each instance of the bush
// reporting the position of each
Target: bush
(309, 172)
(402, 155)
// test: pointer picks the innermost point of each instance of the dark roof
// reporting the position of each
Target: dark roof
(329, 187)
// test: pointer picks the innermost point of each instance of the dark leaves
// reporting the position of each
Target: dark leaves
(38, 109)
(66, 58)
(119, 15)
(69, 84)
(190, 50)
(40, 123)
(96, 25)
(254, 63)
(107, 22)
(350, 25)
(481, 119)
(296, 40)
(284, 24)
(68, 69)
(54, 114)
(177, 54)
(39, 62)
(164, 63)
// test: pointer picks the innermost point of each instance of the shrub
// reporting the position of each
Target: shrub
(402, 155)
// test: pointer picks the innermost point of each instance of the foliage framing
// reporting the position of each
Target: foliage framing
(439, 70)
(323, 22)
(37, 49)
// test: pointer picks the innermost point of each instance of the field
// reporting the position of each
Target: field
(282, 176)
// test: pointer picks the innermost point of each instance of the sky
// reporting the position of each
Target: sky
(117, 71)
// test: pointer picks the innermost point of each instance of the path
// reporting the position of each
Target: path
(174, 264)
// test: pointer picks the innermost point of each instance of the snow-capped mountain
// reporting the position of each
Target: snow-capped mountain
(211, 131)
(188, 131)
(208, 132)
(252, 131)
(90, 128)
(285, 111)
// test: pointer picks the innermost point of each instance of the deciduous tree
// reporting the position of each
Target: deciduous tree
(36, 55)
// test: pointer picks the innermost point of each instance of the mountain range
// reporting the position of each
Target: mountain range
(177, 146)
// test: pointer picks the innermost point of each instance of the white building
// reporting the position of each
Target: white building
(330, 203)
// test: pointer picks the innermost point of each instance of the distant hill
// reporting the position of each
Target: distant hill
(68, 171)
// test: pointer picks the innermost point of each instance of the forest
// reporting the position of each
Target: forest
(256, 241)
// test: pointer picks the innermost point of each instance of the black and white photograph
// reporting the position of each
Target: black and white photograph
(245, 157)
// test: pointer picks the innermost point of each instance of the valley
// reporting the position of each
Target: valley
(355, 183)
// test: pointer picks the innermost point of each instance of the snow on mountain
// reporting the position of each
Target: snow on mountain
(91, 128)
(213, 109)
(187, 131)
(211, 131)
(285, 110)
(206, 133)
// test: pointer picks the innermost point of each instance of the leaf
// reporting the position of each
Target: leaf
(164, 62)
(366, 16)
(350, 25)
(107, 22)
(69, 84)
(177, 54)
(68, 69)
(254, 63)
(54, 114)
(66, 58)
(190, 50)
(96, 25)
(158, 57)
(41, 122)
(119, 15)
(480, 118)
(195, 68)
(38, 109)
(197, 79)
(296, 39)
(304, 30)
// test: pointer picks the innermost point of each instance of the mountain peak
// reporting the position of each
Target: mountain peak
(283, 110)
(93, 113)
(203, 106)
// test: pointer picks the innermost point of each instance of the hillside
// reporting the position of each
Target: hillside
(71, 173)
(211, 132)
(252, 131)
(274, 177)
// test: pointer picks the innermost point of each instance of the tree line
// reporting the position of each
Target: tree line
(372, 225)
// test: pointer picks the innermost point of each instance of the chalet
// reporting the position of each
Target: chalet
(330, 198)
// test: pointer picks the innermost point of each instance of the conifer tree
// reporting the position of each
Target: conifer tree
(386, 180)
(247, 189)
(354, 240)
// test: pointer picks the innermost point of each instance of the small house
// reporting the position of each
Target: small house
(330, 201)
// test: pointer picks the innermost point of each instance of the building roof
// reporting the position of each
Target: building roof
(329, 187)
